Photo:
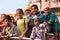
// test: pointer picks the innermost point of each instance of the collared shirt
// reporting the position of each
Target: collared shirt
(37, 33)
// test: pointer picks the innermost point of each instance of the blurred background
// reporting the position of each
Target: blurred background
(9, 6)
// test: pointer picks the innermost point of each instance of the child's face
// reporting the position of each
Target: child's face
(3, 17)
(36, 22)
(12, 20)
(6, 22)
(19, 15)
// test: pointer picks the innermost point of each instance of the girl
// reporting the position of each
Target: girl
(9, 28)
(37, 31)
(21, 22)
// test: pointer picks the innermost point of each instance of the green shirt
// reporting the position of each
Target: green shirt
(51, 18)
(58, 27)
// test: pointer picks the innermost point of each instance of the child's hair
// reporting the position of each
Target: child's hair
(37, 19)
(8, 17)
(20, 10)
(12, 18)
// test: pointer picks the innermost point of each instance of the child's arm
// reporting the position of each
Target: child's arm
(31, 39)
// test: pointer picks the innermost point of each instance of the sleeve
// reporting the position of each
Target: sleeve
(42, 18)
(52, 18)
(26, 20)
(33, 33)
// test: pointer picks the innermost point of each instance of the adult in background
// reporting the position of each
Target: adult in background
(50, 17)
(28, 15)
(27, 12)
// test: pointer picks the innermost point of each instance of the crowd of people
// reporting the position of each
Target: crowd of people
(31, 23)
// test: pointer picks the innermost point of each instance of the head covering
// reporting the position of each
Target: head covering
(27, 8)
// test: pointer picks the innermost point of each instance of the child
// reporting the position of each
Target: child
(9, 28)
(37, 31)
(22, 23)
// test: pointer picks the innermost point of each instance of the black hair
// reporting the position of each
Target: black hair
(34, 6)
(8, 18)
(21, 10)
(38, 20)
(12, 17)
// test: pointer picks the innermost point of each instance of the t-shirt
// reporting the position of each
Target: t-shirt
(21, 24)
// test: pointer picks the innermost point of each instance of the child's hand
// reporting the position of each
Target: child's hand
(20, 37)
(7, 36)
(10, 35)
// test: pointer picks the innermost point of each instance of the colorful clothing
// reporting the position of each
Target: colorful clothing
(52, 18)
(21, 24)
(37, 33)
(30, 23)
(12, 30)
